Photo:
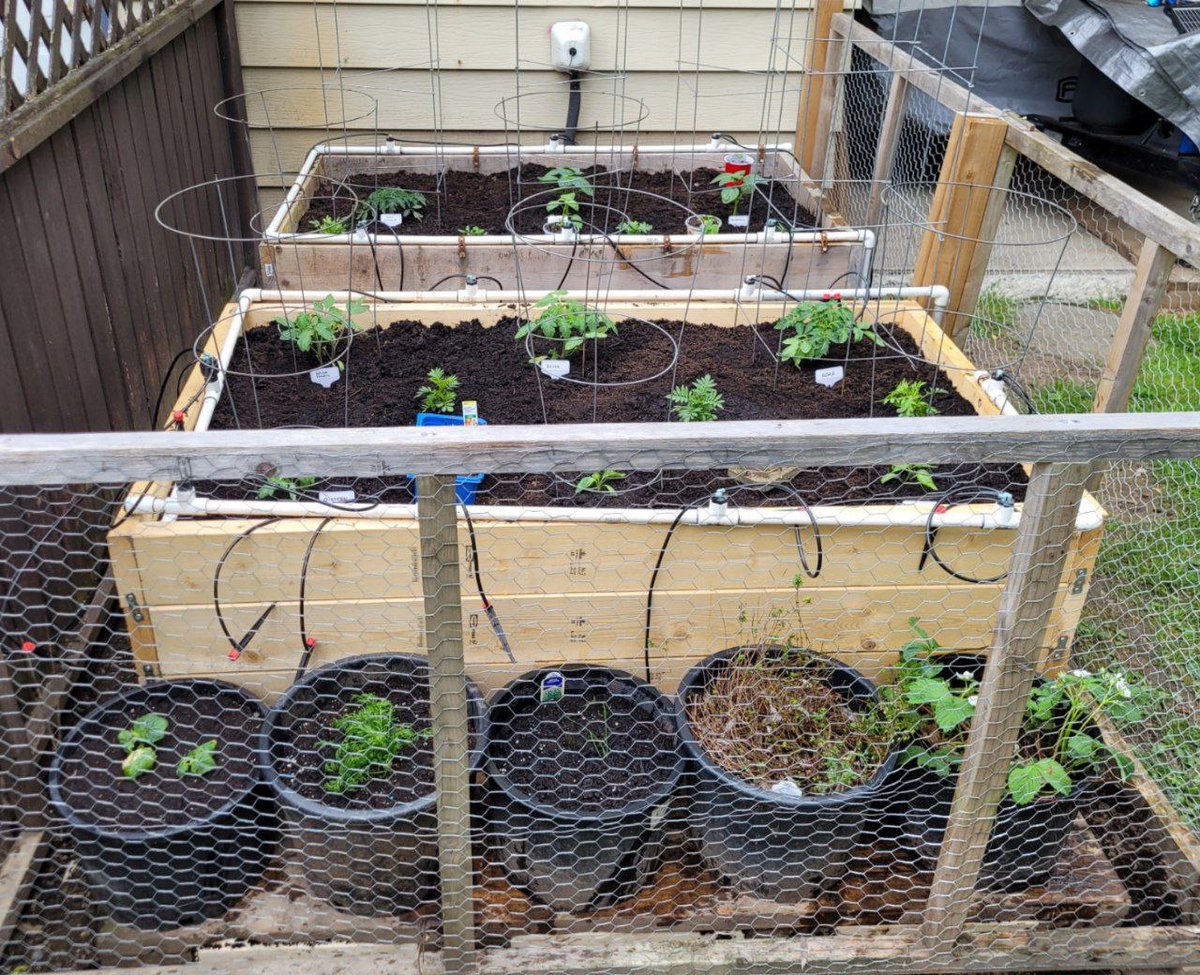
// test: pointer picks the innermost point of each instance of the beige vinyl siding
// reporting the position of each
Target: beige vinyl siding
(697, 70)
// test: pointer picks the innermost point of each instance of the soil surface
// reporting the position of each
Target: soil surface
(485, 199)
(586, 753)
(300, 758)
(98, 791)
(386, 366)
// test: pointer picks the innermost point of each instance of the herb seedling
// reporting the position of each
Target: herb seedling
(372, 740)
(472, 231)
(817, 326)
(911, 474)
(598, 739)
(390, 199)
(567, 178)
(139, 740)
(569, 321)
(709, 224)
(439, 393)
(568, 208)
(634, 227)
(292, 487)
(199, 761)
(330, 225)
(735, 187)
(698, 403)
(319, 331)
(600, 482)
(909, 398)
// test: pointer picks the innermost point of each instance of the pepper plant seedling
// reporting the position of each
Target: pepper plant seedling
(567, 207)
(709, 224)
(567, 178)
(292, 487)
(570, 322)
(599, 483)
(439, 393)
(735, 187)
(390, 199)
(318, 331)
(372, 740)
(199, 761)
(699, 402)
(817, 326)
(911, 473)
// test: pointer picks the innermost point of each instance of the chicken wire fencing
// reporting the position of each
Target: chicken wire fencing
(618, 698)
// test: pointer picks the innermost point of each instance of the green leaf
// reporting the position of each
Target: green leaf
(199, 761)
(149, 729)
(952, 711)
(1082, 748)
(927, 690)
(138, 762)
(1026, 782)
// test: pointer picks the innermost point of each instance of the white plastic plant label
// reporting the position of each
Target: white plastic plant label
(391, 219)
(740, 220)
(555, 368)
(553, 687)
(786, 787)
(325, 376)
(344, 496)
(830, 376)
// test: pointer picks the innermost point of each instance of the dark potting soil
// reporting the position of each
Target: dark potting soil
(98, 791)
(386, 366)
(586, 753)
(484, 200)
(300, 758)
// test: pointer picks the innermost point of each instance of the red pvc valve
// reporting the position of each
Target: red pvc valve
(28, 646)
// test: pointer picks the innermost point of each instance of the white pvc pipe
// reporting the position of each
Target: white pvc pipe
(212, 392)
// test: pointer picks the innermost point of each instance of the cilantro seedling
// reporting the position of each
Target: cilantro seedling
(472, 231)
(634, 227)
(330, 225)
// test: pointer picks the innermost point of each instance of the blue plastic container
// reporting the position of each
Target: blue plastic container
(465, 485)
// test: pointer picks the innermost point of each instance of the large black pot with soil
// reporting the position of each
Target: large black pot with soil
(785, 768)
(1026, 842)
(349, 754)
(580, 785)
(165, 844)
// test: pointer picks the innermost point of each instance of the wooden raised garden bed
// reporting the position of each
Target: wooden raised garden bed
(823, 249)
(570, 581)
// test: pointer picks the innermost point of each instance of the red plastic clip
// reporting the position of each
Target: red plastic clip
(310, 642)
(837, 296)
(941, 509)
(177, 418)
(234, 653)
(28, 646)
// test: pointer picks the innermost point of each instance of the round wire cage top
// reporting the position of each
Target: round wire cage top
(601, 112)
(268, 108)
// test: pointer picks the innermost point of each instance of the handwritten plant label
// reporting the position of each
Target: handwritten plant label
(831, 376)
(391, 219)
(325, 376)
(555, 368)
(740, 220)
(344, 496)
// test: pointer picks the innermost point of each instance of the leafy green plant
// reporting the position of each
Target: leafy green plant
(318, 331)
(139, 740)
(567, 178)
(567, 207)
(911, 474)
(390, 199)
(439, 393)
(199, 761)
(600, 482)
(569, 321)
(634, 227)
(330, 225)
(372, 740)
(699, 402)
(817, 326)
(735, 187)
(472, 231)
(909, 398)
(709, 224)
(291, 487)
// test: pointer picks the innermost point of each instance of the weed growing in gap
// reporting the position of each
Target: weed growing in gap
(697, 403)
(293, 488)
(372, 740)
(330, 225)
(599, 483)
(570, 322)
(817, 326)
(634, 227)
(439, 393)
(318, 331)
(911, 474)
(996, 314)
(909, 399)
(139, 740)
(391, 199)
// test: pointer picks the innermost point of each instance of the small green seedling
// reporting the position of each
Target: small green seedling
(439, 393)
(319, 331)
(909, 398)
(199, 761)
(139, 740)
(390, 199)
(291, 487)
(599, 483)
(372, 740)
(709, 224)
(701, 402)
(911, 473)
(472, 231)
(735, 187)
(567, 178)
(569, 321)
(817, 326)
(330, 225)
(634, 227)
(567, 207)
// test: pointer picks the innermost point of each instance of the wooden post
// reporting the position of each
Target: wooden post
(18, 764)
(437, 514)
(959, 210)
(1047, 522)
(816, 100)
(889, 139)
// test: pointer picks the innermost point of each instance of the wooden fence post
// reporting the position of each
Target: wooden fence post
(967, 191)
(437, 515)
(820, 88)
(889, 139)
(1047, 522)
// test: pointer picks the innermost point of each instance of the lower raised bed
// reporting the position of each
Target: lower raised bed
(570, 581)
(474, 188)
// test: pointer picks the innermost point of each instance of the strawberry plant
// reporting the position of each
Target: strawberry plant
(318, 331)
(570, 322)
(697, 403)
(816, 327)
(439, 392)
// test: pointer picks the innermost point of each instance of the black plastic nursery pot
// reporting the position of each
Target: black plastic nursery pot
(375, 850)
(165, 850)
(1026, 842)
(580, 788)
(774, 845)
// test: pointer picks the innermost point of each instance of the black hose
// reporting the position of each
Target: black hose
(237, 646)
(162, 386)
(963, 494)
(478, 277)
(307, 647)
(573, 99)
